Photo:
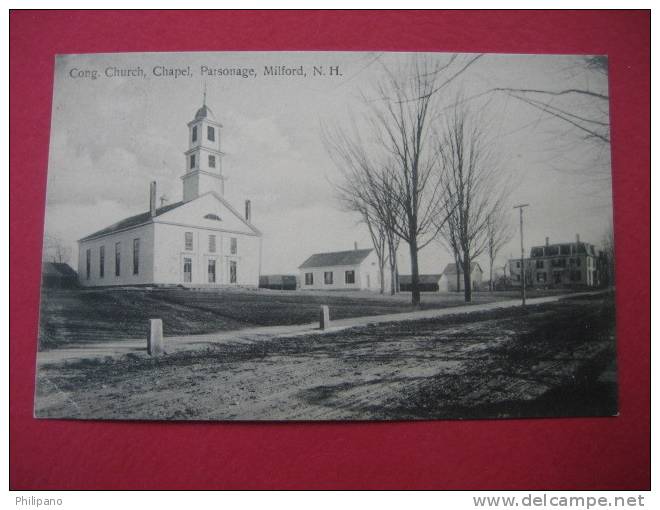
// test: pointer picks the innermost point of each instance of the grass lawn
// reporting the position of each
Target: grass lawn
(97, 315)
(553, 359)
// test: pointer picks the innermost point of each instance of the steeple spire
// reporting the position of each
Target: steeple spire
(204, 95)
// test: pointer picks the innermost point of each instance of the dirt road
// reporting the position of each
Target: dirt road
(544, 360)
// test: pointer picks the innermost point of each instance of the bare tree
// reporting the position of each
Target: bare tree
(397, 171)
(473, 191)
(55, 249)
(401, 117)
(361, 191)
(607, 258)
(498, 233)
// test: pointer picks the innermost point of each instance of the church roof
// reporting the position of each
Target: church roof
(336, 258)
(131, 221)
(204, 113)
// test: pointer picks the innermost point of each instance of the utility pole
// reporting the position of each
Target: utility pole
(520, 207)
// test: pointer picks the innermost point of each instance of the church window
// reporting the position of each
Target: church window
(233, 246)
(327, 277)
(210, 132)
(117, 259)
(350, 277)
(187, 270)
(88, 262)
(136, 256)
(192, 161)
(194, 133)
(309, 278)
(232, 271)
(189, 241)
(101, 261)
(211, 161)
(212, 243)
(211, 271)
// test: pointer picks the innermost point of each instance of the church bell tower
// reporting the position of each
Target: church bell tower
(203, 157)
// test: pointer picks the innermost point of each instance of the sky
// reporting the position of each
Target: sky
(111, 136)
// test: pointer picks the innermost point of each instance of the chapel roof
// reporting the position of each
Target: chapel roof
(336, 258)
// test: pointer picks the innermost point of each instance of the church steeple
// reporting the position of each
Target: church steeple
(203, 157)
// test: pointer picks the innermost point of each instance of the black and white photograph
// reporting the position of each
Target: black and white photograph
(279, 236)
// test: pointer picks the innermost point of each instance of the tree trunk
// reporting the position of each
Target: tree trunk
(381, 270)
(414, 269)
(490, 276)
(466, 279)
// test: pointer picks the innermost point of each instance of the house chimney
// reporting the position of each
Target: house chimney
(547, 241)
(355, 245)
(248, 211)
(152, 198)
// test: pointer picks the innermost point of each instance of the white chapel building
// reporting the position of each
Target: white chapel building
(200, 241)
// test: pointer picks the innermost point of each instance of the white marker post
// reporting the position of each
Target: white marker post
(324, 321)
(155, 344)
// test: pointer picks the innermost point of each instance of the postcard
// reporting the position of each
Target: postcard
(328, 236)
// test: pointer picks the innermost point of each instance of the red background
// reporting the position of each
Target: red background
(605, 453)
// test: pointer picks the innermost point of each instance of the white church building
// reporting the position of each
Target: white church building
(200, 241)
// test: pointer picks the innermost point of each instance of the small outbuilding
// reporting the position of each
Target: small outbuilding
(452, 279)
(58, 275)
(278, 281)
(427, 282)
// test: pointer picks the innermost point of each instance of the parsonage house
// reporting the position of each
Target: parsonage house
(342, 270)
(200, 241)
(558, 265)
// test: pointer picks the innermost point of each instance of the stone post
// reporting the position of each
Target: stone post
(324, 321)
(155, 344)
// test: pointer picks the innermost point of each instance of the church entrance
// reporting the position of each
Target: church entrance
(232, 271)
(187, 270)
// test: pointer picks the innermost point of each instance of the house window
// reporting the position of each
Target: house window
(211, 271)
(210, 133)
(117, 259)
(558, 262)
(232, 271)
(576, 276)
(540, 277)
(539, 264)
(233, 246)
(349, 277)
(211, 216)
(327, 277)
(211, 161)
(578, 261)
(517, 277)
(136, 256)
(188, 241)
(192, 161)
(194, 133)
(187, 270)
(88, 263)
(101, 261)
(212, 243)
(309, 278)
(518, 264)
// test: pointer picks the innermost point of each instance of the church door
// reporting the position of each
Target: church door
(232, 271)
(187, 270)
